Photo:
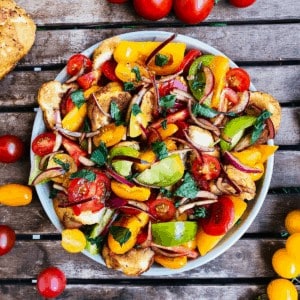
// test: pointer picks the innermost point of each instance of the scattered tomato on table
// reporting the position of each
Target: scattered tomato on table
(281, 289)
(14, 194)
(11, 148)
(7, 239)
(241, 3)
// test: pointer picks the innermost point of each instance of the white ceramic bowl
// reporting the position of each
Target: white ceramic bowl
(234, 234)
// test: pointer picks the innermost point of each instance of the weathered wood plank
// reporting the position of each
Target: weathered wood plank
(241, 43)
(35, 221)
(101, 12)
(20, 88)
(253, 258)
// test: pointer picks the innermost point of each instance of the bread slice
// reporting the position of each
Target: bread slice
(17, 35)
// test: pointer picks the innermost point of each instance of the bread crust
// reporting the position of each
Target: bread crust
(17, 35)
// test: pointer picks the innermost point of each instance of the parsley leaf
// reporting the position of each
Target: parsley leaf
(137, 73)
(136, 109)
(204, 111)
(164, 124)
(78, 98)
(86, 125)
(160, 149)
(115, 113)
(65, 166)
(200, 212)
(259, 125)
(98, 240)
(99, 155)
(120, 234)
(167, 101)
(165, 192)
(129, 86)
(161, 60)
(188, 189)
(84, 173)
(198, 85)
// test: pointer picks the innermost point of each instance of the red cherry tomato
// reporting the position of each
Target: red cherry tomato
(7, 239)
(44, 143)
(108, 69)
(117, 1)
(162, 209)
(238, 79)
(142, 236)
(192, 11)
(152, 9)
(207, 169)
(66, 105)
(87, 80)
(11, 148)
(220, 217)
(74, 150)
(77, 63)
(188, 59)
(241, 3)
(51, 282)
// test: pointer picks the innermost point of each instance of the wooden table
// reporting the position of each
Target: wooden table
(264, 39)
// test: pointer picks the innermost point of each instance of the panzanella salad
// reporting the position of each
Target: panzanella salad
(153, 150)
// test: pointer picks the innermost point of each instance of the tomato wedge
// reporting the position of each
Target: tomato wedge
(77, 63)
(188, 59)
(207, 169)
(162, 209)
(108, 69)
(238, 79)
(220, 217)
(74, 150)
(43, 144)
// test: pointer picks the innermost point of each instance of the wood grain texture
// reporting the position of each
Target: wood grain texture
(92, 12)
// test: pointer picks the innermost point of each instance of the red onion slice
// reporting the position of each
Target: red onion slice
(242, 104)
(47, 175)
(209, 83)
(118, 177)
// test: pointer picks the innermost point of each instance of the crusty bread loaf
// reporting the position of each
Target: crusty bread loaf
(17, 35)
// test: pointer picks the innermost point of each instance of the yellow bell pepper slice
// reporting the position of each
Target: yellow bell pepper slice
(265, 150)
(74, 119)
(110, 134)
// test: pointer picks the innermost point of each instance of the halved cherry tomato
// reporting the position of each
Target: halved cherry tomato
(108, 69)
(207, 169)
(11, 148)
(7, 239)
(74, 150)
(51, 282)
(188, 59)
(238, 79)
(162, 209)
(44, 143)
(77, 62)
(220, 217)
(241, 3)
(89, 79)
(66, 105)
(142, 236)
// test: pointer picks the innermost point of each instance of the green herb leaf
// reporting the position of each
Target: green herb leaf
(160, 150)
(197, 85)
(78, 98)
(204, 111)
(188, 189)
(164, 124)
(200, 212)
(53, 193)
(65, 166)
(161, 60)
(120, 234)
(137, 73)
(99, 155)
(167, 101)
(136, 109)
(259, 125)
(116, 113)
(84, 173)
(166, 192)
(129, 86)
(86, 125)
(98, 241)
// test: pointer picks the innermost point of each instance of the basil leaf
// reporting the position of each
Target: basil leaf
(78, 98)
(167, 101)
(129, 86)
(86, 125)
(96, 241)
(137, 73)
(120, 234)
(188, 189)
(99, 155)
(84, 173)
(164, 124)
(161, 60)
(259, 125)
(200, 212)
(204, 111)
(166, 192)
(65, 166)
(115, 113)
(136, 109)
(160, 150)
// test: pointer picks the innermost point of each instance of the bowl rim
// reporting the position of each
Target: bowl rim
(234, 234)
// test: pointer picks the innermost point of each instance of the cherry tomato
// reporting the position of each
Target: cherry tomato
(220, 217)
(51, 282)
(108, 69)
(281, 289)
(43, 144)
(87, 80)
(77, 63)
(192, 11)
(74, 150)
(11, 148)
(7, 239)
(241, 3)
(66, 105)
(238, 79)
(142, 236)
(207, 169)
(162, 209)
(117, 1)
(292, 246)
(152, 9)
(188, 59)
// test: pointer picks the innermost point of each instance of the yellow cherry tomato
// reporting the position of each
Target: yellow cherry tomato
(73, 240)
(110, 134)
(281, 289)
(284, 264)
(292, 221)
(170, 262)
(14, 194)
(292, 246)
